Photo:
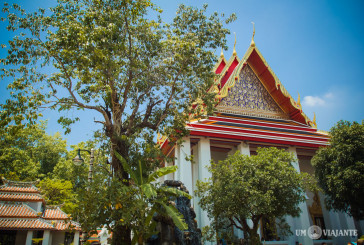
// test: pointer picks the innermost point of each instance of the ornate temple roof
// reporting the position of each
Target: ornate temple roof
(248, 128)
(230, 75)
(253, 105)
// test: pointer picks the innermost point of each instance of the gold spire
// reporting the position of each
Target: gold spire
(299, 100)
(252, 43)
(314, 119)
(222, 54)
(234, 51)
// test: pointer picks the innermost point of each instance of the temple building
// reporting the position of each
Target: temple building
(255, 110)
(25, 219)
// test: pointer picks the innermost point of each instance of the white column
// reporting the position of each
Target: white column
(245, 150)
(76, 238)
(195, 178)
(46, 237)
(204, 159)
(29, 238)
(185, 165)
(176, 162)
(303, 221)
(169, 176)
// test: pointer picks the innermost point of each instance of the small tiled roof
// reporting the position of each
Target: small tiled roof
(26, 224)
(54, 213)
(17, 186)
(67, 225)
(11, 210)
(20, 197)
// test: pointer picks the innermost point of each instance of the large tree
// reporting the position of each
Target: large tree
(340, 168)
(243, 187)
(139, 75)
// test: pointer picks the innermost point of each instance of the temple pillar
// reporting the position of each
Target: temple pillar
(46, 237)
(185, 168)
(302, 222)
(245, 150)
(76, 238)
(204, 159)
(28, 241)
(195, 178)
(176, 162)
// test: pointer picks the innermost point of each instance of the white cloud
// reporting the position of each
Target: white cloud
(313, 101)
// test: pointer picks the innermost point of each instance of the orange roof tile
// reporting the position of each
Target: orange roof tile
(8, 210)
(17, 186)
(19, 223)
(54, 213)
(67, 225)
(21, 197)
(6, 188)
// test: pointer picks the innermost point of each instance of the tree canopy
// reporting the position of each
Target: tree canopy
(108, 57)
(139, 75)
(340, 168)
(29, 153)
(243, 187)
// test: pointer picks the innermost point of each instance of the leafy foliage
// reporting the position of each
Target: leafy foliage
(59, 192)
(134, 204)
(253, 187)
(340, 168)
(29, 153)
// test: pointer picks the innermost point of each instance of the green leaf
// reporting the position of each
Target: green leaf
(176, 216)
(175, 192)
(126, 167)
(161, 172)
(148, 190)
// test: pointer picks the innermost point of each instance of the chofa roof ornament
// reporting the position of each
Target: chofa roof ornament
(252, 43)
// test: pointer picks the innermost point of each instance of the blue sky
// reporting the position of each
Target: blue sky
(316, 48)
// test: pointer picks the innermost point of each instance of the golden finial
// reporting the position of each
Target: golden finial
(299, 100)
(314, 119)
(252, 42)
(234, 51)
(222, 53)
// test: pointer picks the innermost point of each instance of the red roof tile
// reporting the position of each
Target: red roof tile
(17, 211)
(20, 197)
(19, 223)
(54, 213)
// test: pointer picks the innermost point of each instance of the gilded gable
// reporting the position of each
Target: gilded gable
(249, 97)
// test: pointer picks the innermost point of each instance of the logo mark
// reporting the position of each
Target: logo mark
(314, 232)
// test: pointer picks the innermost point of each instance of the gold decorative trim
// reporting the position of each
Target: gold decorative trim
(232, 80)
(251, 112)
(221, 59)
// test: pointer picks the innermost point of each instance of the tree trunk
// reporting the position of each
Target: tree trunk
(121, 234)
(251, 234)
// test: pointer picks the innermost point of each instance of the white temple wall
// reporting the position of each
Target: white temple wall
(189, 173)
